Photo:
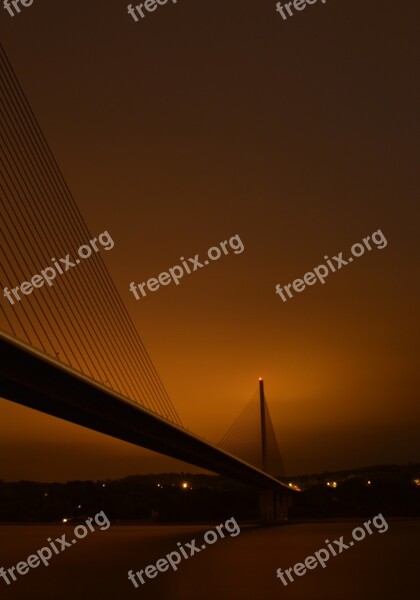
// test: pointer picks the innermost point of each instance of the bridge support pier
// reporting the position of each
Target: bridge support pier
(274, 507)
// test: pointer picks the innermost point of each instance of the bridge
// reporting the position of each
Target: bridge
(68, 345)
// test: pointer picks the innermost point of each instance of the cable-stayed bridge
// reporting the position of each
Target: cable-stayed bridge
(69, 347)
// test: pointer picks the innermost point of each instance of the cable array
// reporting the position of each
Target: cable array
(243, 438)
(82, 319)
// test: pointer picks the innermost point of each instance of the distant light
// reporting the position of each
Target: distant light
(416, 482)
(185, 485)
(369, 482)
(334, 484)
(79, 506)
(65, 520)
(291, 485)
(103, 485)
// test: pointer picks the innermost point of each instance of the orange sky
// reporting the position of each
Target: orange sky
(208, 121)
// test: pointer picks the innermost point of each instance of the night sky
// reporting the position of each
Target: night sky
(210, 119)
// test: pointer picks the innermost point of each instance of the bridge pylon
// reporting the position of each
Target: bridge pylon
(274, 505)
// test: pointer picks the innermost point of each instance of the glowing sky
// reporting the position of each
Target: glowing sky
(215, 119)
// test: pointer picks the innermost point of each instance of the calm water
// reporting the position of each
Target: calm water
(383, 566)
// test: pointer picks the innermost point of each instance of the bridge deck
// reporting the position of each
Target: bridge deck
(32, 379)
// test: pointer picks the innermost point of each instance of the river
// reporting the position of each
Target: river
(382, 566)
